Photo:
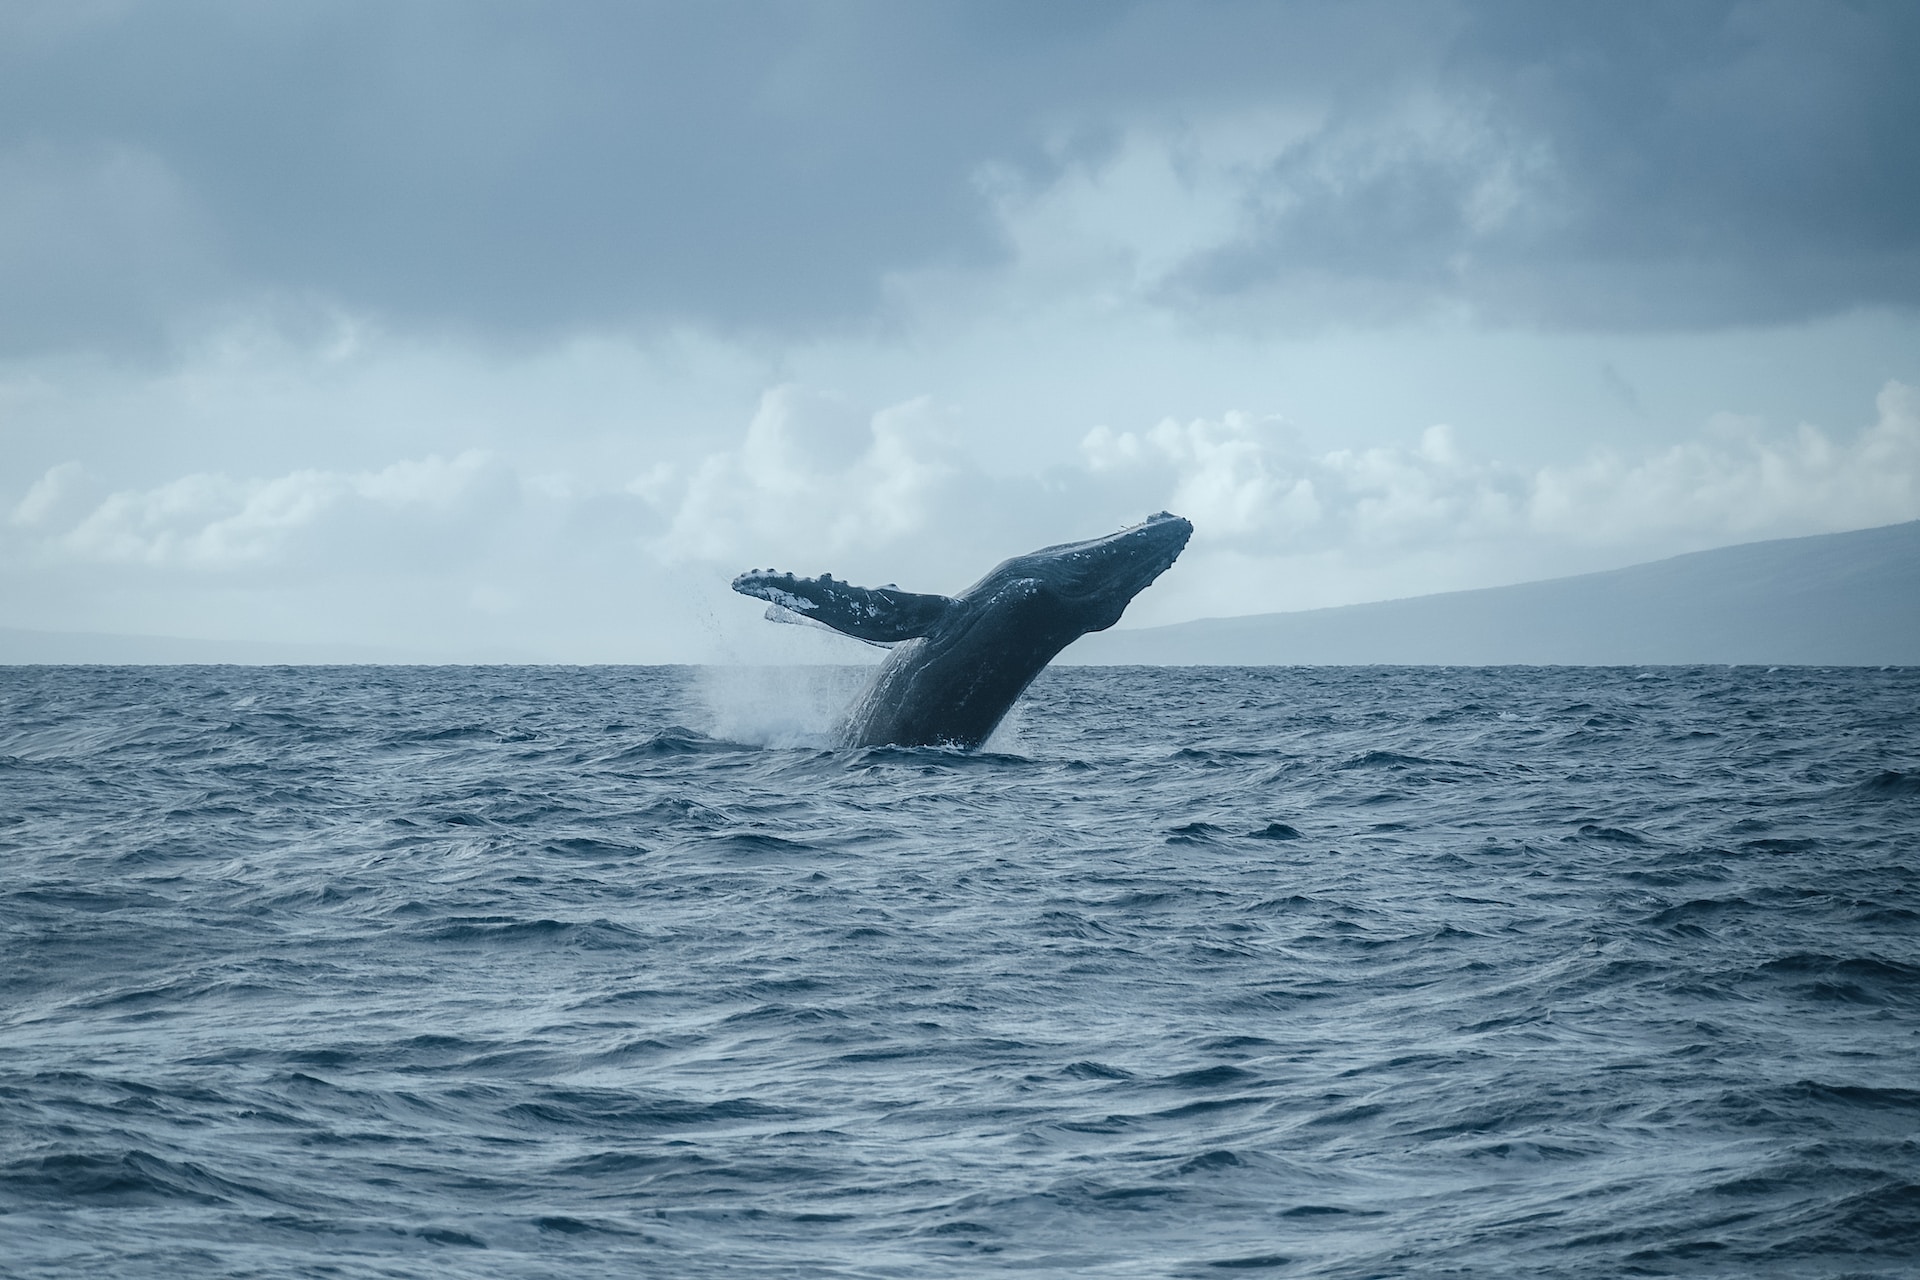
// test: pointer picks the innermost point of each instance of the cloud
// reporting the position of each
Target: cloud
(213, 522)
(812, 477)
(47, 494)
(1611, 167)
(471, 168)
(815, 484)
(1741, 481)
(617, 553)
(1379, 211)
(1252, 488)
(101, 242)
(771, 169)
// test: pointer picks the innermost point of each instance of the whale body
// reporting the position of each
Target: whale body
(960, 662)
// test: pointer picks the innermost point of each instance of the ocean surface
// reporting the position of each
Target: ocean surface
(515, 972)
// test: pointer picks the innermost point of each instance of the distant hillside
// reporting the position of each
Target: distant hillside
(1835, 599)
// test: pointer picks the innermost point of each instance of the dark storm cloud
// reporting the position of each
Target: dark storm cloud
(1665, 164)
(516, 166)
(530, 169)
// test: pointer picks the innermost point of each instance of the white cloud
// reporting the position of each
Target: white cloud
(1252, 483)
(1342, 519)
(47, 494)
(290, 489)
(212, 521)
(1237, 471)
(810, 476)
(1740, 481)
(431, 481)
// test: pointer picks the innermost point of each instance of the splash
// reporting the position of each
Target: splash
(782, 707)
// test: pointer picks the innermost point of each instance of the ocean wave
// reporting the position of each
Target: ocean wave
(1314, 971)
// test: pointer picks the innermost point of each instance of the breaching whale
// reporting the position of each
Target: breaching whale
(959, 662)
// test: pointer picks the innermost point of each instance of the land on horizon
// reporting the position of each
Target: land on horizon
(1836, 599)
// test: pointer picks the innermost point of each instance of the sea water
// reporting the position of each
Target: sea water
(625, 972)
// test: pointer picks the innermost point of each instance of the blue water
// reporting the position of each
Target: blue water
(619, 972)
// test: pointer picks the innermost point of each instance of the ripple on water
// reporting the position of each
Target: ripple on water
(1339, 972)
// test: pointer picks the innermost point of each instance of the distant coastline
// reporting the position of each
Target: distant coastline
(1837, 599)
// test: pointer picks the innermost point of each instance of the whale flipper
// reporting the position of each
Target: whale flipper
(880, 614)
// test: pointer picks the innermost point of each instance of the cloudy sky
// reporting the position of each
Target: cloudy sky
(510, 329)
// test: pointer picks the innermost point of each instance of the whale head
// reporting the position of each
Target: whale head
(1091, 583)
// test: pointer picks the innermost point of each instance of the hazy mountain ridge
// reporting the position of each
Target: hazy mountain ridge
(1833, 599)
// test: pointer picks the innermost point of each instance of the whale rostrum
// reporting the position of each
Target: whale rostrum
(959, 662)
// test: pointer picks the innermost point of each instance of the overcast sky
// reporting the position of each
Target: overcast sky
(471, 329)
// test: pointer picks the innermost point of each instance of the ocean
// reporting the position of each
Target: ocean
(622, 971)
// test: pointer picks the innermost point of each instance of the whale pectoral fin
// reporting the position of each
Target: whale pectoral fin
(883, 614)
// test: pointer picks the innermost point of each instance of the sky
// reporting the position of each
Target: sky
(474, 330)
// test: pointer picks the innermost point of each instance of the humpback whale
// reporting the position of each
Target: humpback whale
(959, 662)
